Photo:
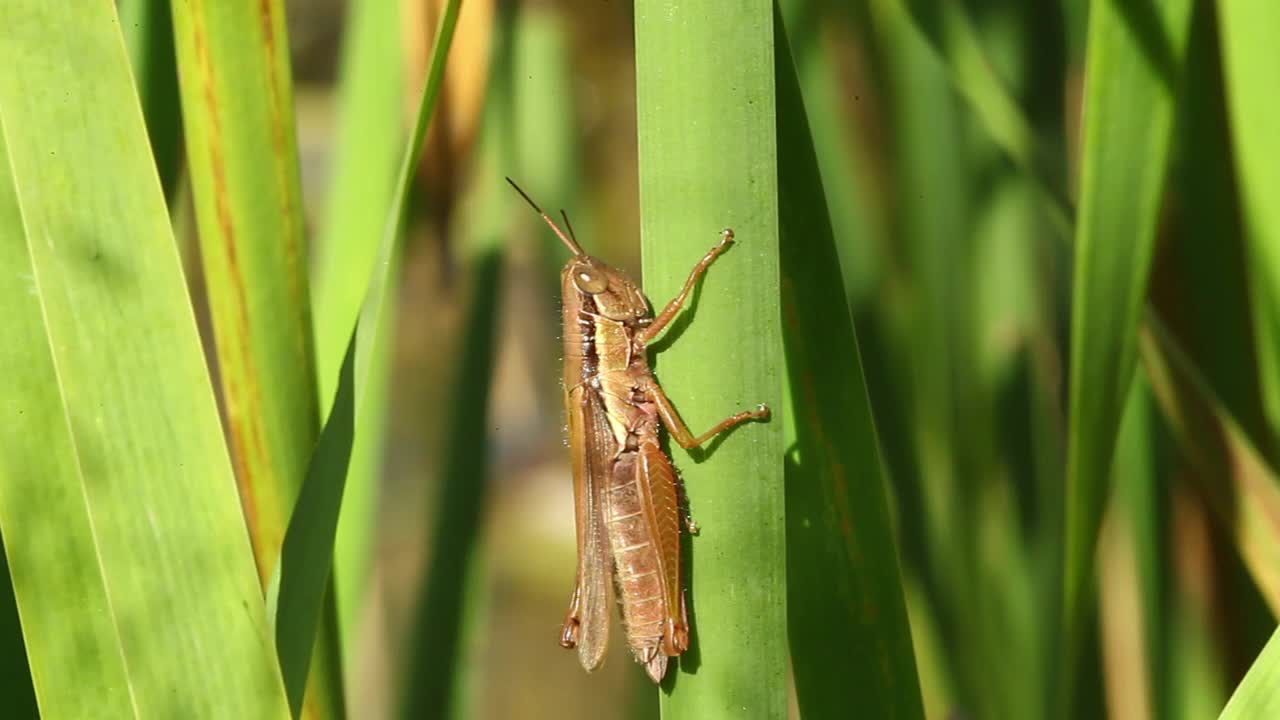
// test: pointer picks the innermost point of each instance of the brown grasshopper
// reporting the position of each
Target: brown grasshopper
(626, 500)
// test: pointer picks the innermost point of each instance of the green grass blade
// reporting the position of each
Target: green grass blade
(117, 499)
(1134, 58)
(307, 554)
(1200, 294)
(1250, 34)
(238, 111)
(1258, 695)
(368, 144)
(237, 100)
(705, 107)
(1247, 504)
(845, 175)
(847, 616)
(1134, 603)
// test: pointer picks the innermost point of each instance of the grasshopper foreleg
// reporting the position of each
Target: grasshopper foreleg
(669, 312)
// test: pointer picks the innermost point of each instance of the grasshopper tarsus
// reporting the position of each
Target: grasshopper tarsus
(691, 525)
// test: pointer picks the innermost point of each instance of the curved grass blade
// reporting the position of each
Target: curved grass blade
(367, 147)
(847, 619)
(1134, 58)
(707, 134)
(117, 499)
(1250, 34)
(307, 553)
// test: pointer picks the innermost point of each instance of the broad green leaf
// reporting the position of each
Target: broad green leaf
(1133, 64)
(366, 150)
(117, 499)
(307, 554)
(1258, 695)
(847, 620)
(1250, 35)
(707, 132)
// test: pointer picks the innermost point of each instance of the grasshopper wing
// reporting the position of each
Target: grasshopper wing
(592, 448)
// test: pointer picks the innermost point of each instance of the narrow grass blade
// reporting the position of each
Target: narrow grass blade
(126, 544)
(367, 147)
(1134, 59)
(307, 553)
(1258, 695)
(707, 134)
(238, 111)
(845, 178)
(1199, 292)
(237, 99)
(1133, 569)
(1248, 504)
(847, 620)
(1250, 35)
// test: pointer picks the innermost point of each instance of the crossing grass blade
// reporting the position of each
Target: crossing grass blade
(126, 544)
(367, 147)
(707, 133)
(1249, 502)
(307, 553)
(847, 617)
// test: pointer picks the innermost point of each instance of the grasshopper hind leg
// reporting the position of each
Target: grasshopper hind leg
(572, 620)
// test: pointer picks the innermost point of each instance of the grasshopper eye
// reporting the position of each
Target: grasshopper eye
(589, 280)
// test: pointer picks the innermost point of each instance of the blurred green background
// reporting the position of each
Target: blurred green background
(1050, 445)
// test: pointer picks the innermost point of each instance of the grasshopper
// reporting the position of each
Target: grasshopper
(627, 508)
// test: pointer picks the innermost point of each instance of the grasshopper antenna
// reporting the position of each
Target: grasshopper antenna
(568, 239)
(569, 226)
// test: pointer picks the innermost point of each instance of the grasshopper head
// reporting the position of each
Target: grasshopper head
(612, 292)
